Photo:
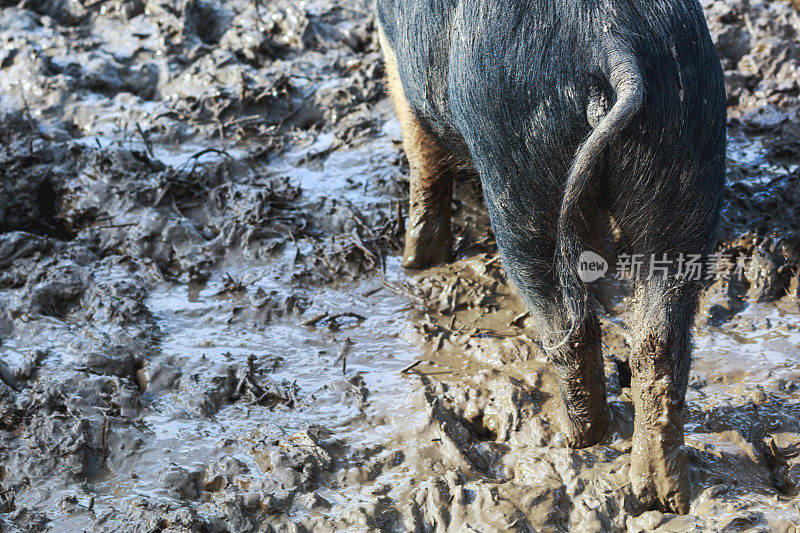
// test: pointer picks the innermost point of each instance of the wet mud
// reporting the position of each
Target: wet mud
(205, 325)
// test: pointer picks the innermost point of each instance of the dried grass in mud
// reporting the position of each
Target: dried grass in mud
(205, 326)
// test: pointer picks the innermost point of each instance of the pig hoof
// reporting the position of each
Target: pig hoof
(585, 434)
(427, 244)
(660, 482)
(418, 259)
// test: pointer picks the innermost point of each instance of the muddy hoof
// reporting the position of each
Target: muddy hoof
(587, 434)
(427, 244)
(416, 259)
(661, 482)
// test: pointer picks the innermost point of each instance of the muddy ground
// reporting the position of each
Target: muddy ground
(205, 326)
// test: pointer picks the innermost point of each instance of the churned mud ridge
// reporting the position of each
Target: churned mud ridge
(205, 327)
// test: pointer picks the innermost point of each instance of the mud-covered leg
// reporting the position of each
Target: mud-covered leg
(581, 380)
(660, 362)
(428, 233)
(579, 361)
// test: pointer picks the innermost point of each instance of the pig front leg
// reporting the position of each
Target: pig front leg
(429, 229)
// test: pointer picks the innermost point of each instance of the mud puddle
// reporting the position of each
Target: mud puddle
(238, 396)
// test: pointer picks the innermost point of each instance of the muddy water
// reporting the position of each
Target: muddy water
(205, 326)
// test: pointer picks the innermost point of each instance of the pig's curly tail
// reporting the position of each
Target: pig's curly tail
(626, 80)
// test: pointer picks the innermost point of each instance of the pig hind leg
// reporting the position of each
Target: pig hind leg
(581, 379)
(664, 313)
(527, 254)
(428, 234)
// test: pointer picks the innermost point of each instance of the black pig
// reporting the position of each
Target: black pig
(576, 114)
